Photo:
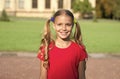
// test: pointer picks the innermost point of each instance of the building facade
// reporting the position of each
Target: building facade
(35, 8)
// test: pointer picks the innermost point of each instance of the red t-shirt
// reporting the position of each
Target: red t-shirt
(64, 61)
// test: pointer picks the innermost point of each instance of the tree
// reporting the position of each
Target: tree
(4, 16)
(105, 7)
(83, 7)
(109, 9)
(116, 10)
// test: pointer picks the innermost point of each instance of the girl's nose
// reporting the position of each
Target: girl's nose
(63, 27)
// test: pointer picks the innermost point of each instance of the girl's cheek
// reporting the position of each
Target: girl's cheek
(58, 27)
(70, 28)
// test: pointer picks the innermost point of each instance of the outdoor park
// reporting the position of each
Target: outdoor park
(20, 41)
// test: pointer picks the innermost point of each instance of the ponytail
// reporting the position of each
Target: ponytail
(77, 34)
(45, 43)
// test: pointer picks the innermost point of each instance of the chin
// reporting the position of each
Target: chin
(64, 37)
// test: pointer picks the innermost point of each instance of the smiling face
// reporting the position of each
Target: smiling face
(63, 25)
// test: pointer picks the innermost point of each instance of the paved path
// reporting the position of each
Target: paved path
(27, 67)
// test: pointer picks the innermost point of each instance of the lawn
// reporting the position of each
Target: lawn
(24, 35)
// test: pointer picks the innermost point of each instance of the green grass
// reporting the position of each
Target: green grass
(25, 35)
(101, 37)
(20, 35)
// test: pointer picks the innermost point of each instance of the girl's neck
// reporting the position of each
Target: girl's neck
(62, 43)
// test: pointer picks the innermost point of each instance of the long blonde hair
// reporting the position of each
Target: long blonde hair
(47, 39)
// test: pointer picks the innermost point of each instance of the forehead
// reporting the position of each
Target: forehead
(63, 18)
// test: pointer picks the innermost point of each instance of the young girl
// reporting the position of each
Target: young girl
(62, 57)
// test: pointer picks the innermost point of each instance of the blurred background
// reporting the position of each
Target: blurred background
(21, 27)
(22, 22)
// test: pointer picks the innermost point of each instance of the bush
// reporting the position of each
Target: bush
(4, 16)
(83, 7)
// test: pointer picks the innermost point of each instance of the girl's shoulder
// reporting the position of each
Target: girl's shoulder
(80, 46)
(82, 53)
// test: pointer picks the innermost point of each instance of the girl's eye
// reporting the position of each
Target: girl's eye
(59, 24)
(69, 24)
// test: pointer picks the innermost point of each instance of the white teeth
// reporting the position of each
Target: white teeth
(63, 33)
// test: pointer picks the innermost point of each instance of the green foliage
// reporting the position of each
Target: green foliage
(116, 10)
(87, 8)
(104, 8)
(77, 6)
(84, 7)
(4, 16)
(108, 9)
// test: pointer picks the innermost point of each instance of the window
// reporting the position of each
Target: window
(7, 3)
(34, 3)
(60, 3)
(47, 4)
(21, 4)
